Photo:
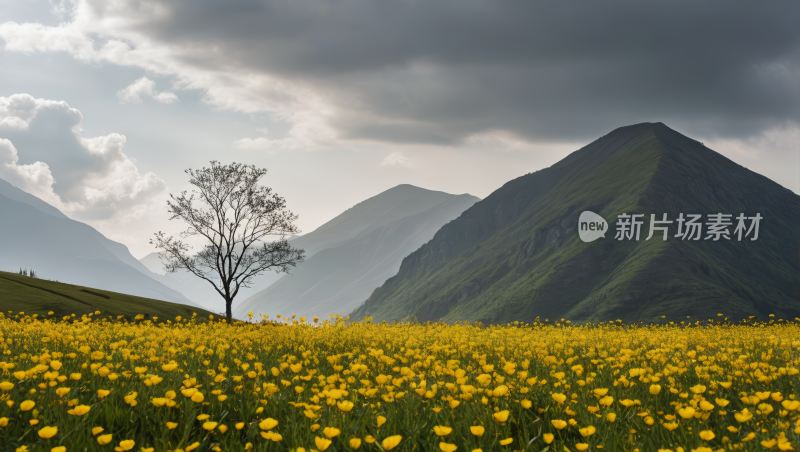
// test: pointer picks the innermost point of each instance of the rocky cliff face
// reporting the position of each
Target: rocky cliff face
(516, 255)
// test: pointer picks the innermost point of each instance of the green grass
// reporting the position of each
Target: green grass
(38, 296)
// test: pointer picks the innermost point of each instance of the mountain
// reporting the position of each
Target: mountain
(517, 255)
(389, 206)
(357, 251)
(36, 235)
(15, 194)
(153, 263)
(38, 296)
(386, 207)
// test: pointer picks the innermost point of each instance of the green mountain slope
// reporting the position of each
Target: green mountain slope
(516, 255)
(37, 296)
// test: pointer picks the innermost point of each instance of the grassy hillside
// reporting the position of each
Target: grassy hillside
(38, 296)
(516, 255)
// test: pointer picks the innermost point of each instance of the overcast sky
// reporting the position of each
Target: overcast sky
(104, 103)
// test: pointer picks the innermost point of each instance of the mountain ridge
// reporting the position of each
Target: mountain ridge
(16, 194)
(339, 276)
(385, 207)
(638, 169)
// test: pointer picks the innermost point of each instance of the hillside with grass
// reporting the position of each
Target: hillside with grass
(20, 293)
(517, 255)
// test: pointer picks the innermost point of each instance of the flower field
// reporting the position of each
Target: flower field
(98, 384)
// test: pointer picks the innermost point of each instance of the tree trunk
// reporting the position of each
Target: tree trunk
(228, 302)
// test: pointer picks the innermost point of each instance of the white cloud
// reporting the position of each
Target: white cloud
(113, 34)
(18, 110)
(88, 178)
(144, 87)
(396, 159)
(34, 178)
(33, 37)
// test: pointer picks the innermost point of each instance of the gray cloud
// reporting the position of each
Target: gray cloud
(397, 89)
(440, 72)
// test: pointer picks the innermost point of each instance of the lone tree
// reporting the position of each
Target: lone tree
(234, 216)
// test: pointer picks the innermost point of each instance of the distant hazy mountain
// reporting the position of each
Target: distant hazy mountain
(198, 290)
(517, 254)
(36, 235)
(391, 205)
(153, 263)
(201, 291)
(357, 251)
